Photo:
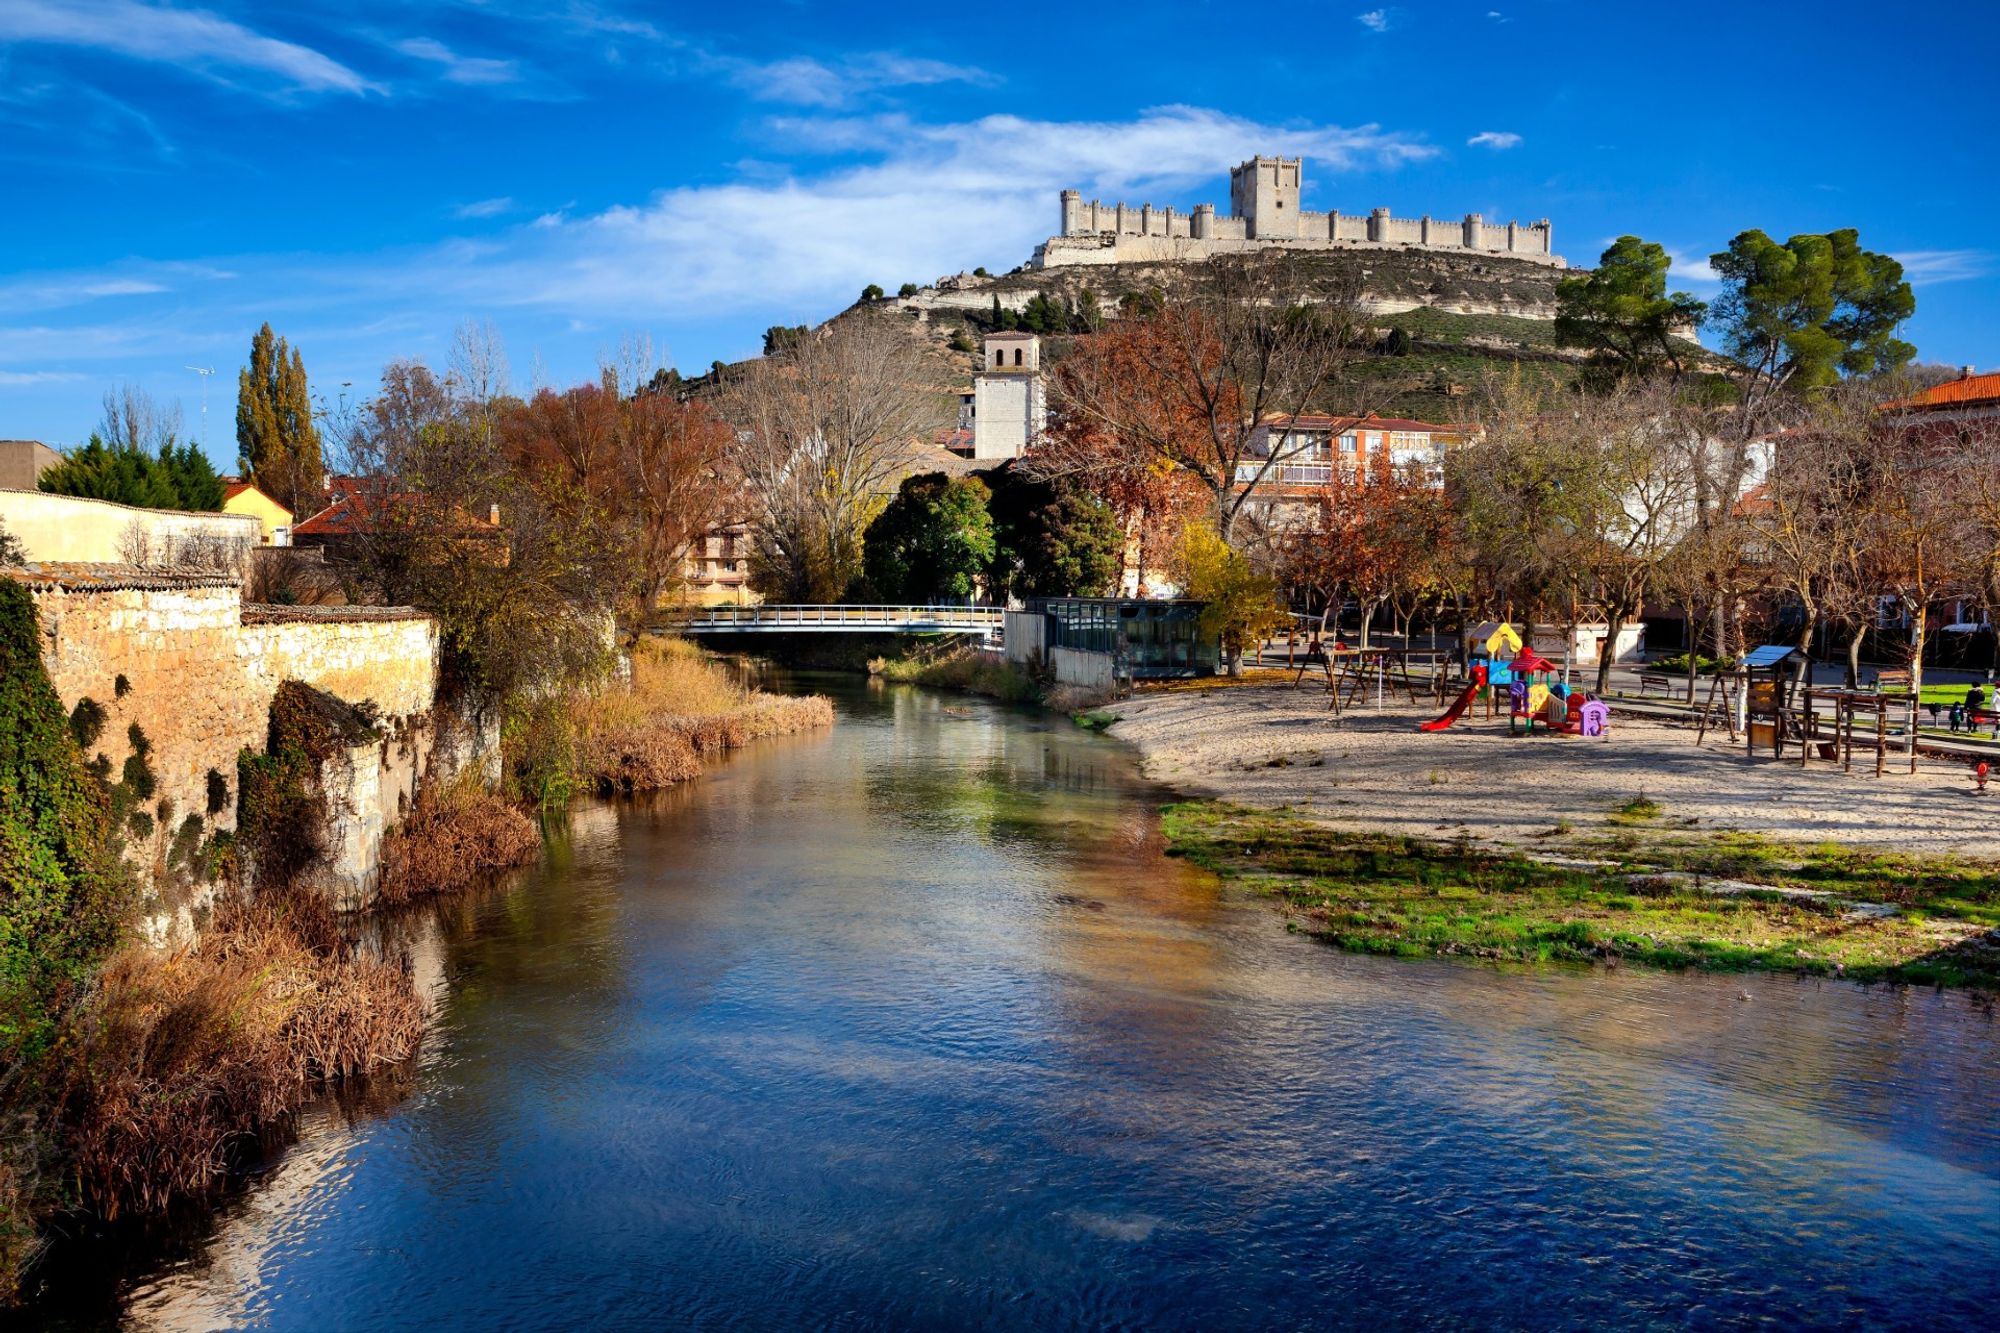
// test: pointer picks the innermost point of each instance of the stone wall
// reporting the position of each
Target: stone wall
(70, 529)
(198, 672)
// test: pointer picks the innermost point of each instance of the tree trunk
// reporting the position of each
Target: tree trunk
(1367, 621)
(1615, 625)
(1854, 655)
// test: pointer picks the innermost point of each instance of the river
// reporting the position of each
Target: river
(911, 1024)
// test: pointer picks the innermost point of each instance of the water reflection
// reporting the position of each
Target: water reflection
(912, 1024)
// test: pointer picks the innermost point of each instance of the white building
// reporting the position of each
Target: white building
(1007, 405)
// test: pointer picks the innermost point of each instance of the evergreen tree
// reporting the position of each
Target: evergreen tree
(1814, 309)
(1052, 539)
(178, 477)
(933, 541)
(1623, 313)
(275, 433)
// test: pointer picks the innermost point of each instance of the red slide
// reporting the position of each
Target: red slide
(1453, 713)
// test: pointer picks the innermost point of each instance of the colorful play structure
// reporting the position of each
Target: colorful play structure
(1535, 692)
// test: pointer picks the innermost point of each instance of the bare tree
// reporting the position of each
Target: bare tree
(822, 428)
(132, 420)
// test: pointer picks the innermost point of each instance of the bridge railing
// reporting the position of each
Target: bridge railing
(810, 614)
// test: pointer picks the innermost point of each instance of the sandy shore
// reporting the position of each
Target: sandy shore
(1270, 746)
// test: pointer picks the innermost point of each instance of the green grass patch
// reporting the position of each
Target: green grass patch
(1097, 719)
(1388, 894)
(1638, 810)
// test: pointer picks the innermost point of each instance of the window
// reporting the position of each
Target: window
(1348, 445)
(1017, 356)
(999, 357)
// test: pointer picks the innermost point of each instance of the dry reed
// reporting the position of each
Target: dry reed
(453, 839)
(187, 1057)
(678, 708)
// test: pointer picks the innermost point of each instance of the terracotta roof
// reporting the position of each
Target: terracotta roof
(1314, 421)
(1964, 390)
(353, 510)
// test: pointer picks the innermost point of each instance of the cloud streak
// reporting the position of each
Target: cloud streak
(183, 37)
(1498, 140)
(471, 71)
(1924, 268)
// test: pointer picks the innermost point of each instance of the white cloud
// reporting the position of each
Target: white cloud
(191, 37)
(803, 81)
(1497, 16)
(1498, 140)
(471, 70)
(21, 379)
(1926, 267)
(1684, 267)
(484, 208)
(1377, 20)
(932, 199)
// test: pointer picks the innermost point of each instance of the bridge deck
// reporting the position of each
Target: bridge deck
(794, 619)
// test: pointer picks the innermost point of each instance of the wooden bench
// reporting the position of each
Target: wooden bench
(1664, 679)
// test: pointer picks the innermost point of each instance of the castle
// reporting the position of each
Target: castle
(1264, 214)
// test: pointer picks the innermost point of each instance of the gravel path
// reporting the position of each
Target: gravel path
(1270, 746)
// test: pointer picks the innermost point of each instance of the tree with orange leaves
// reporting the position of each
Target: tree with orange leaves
(1178, 390)
(1379, 533)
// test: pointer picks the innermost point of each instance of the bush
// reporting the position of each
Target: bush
(453, 839)
(872, 292)
(678, 708)
(1678, 664)
(908, 289)
(186, 1056)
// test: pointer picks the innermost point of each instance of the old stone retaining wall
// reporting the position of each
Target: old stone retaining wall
(198, 672)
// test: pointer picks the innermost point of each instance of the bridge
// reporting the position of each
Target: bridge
(810, 618)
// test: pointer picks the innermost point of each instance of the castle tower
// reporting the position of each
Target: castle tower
(1264, 192)
(1072, 213)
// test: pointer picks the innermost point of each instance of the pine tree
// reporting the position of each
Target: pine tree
(275, 433)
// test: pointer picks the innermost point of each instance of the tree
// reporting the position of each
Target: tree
(908, 289)
(652, 469)
(872, 292)
(1051, 539)
(1805, 313)
(275, 432)
(12, 553)
(1193, 381)
(134, 460)
(932, 543)
(523, 605)
(780, 337)
(822, 430)
(1240, 606)
(1622, 312)
(1380, 533)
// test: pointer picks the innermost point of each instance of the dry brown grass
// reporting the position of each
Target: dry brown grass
(453, 839)
(678, 708)
(187, 1057)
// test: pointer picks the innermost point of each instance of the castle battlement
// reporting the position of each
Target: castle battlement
(1264, 213)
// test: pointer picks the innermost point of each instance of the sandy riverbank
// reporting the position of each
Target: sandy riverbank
(1270, 746)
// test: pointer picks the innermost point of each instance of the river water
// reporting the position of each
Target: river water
(911, 1024)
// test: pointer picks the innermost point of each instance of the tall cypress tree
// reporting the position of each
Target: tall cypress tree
(275, 434)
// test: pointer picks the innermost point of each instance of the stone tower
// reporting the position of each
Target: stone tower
(1264, 192)
(1009, 408)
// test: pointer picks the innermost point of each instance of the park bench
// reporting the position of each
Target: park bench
(1667, 681)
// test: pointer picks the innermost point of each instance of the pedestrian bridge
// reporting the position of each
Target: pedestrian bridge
(984, 621)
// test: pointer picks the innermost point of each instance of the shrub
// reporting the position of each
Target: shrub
(186, 1056)
(218, 793)
(86, 722)
(908, 289)
(280, 807)
(452, 839)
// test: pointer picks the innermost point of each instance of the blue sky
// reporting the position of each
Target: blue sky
(370, 176)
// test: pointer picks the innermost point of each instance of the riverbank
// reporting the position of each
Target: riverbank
(176, 1068)
(1382, 838)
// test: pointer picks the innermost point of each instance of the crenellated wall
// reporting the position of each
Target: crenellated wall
(1265, 213)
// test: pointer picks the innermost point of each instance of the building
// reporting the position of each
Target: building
(242, 497)
(22, 463)
(1007, 406)
(1291, 453)
(1970, 397)
(717, 569)
(1265, 213)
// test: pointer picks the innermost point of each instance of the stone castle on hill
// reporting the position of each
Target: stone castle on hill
(1264, 214)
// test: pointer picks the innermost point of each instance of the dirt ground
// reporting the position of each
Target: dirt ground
(1270, 746)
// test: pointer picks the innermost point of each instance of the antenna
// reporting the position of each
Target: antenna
(204, 372)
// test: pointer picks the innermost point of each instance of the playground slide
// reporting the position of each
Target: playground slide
(1453, 713)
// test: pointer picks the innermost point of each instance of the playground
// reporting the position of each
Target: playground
(1269, 745)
